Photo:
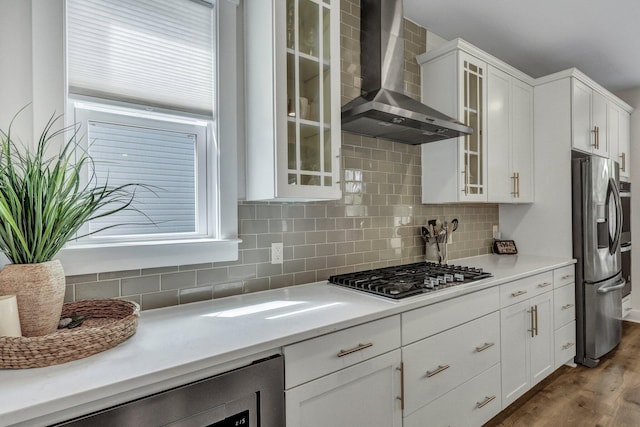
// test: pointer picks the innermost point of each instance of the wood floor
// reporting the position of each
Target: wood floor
(605, 396)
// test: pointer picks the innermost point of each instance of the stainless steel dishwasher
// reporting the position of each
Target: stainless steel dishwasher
(252, 396)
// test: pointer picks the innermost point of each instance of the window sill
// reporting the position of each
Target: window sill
(85, 259)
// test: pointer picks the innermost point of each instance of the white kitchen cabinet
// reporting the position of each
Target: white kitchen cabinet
(494, 164)
(618, 122)
(331, 378)
(292, 100)
(564, 315)
(451, 350)
(589, 119)
(626, 306)
(510, 138)
(471, 404)
(455, 170)
(365, 394)
(526, 329)
(438, 364)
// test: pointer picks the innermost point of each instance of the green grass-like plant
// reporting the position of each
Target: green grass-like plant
(44, 201)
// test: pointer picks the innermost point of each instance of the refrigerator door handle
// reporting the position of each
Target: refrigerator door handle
(619, 285)
(613, 190)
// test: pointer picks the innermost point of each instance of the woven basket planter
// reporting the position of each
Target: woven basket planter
(39, 289)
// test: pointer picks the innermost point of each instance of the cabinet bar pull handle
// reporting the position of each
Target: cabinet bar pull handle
(535, 309)
(486, 400)
(464, 180)
(567, 345)
(437, 371)
(544, 285)
(568, 276)
(532, 327)
(484, 347)
(517, 294)
(518, 184)
(401, 397)
(624, 162)
(628, 309)
(355, 349)
(514, 192)
(566, 306)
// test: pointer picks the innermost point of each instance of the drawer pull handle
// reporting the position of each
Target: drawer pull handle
(567, 277)
(355, 349)
(544, 285)
(628, 309)
(485, 402)
(437, 371)
(484, 347)
(517, 294)
(567, 306)
(567, 345)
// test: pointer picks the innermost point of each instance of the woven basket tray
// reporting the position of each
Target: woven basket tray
(107, 323)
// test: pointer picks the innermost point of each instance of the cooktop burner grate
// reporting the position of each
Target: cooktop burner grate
(410, 279)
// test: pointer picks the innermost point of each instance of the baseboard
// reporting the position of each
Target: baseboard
(633, 316)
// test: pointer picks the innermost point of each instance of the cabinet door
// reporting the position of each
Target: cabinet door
(581, 116)
(522, 140)
(473, 156)
(623, 145)
(293, 105)
(365, 394)
(613, 134)
(515, 335)
(500, 183)
(599, 123)
(542, 345)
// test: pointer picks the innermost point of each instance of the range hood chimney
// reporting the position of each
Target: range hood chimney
(383, 110)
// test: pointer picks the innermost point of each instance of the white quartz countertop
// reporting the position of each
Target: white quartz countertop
(177, 345)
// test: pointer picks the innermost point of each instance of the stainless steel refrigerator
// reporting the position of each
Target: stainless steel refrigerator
(597, 227)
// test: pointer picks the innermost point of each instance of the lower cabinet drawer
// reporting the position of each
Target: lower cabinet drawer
(311, 359)
(564, 305)
(565, 344)
(626, 306)
(471, 404)
(564, 275)
(440, 363)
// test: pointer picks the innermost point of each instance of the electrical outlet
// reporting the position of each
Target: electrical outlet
(276, 253)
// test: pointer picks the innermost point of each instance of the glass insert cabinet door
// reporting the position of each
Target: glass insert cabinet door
(292, 91)
(472, 150)
(311, 98)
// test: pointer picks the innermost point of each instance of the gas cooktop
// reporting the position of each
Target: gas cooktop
(410, 279)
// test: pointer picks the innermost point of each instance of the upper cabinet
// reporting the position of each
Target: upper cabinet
(510, 136)
(455, 170)
(495, 163)
(618, 121)
(292, 99)
(589, 119)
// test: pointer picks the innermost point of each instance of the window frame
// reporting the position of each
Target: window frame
(87, 110)
(223, 244)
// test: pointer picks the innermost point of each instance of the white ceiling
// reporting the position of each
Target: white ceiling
(599, 37)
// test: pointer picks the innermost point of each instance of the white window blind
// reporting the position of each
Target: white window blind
(164, 160)
(158, 53)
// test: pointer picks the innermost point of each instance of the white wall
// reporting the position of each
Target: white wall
(31, 64)
(632, 97)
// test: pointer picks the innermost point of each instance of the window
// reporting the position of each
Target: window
(142, 85)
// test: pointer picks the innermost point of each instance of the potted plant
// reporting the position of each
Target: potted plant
(44, 200)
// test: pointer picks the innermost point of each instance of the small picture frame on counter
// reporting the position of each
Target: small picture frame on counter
(504, 247)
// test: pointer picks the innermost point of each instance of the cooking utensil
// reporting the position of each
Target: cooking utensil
(425, 234)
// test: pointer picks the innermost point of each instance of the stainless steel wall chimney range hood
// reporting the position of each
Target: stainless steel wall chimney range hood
(383, 110)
